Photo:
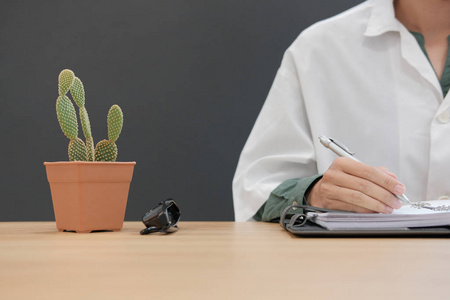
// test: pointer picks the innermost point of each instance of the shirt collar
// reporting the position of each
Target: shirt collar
(382, 18)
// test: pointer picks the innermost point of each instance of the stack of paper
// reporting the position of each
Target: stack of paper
(404, 217)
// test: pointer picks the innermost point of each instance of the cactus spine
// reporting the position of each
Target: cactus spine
(106, 150)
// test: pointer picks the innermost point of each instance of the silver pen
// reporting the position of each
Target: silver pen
(343, 151)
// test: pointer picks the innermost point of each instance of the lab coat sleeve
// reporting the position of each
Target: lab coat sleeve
(279, 147)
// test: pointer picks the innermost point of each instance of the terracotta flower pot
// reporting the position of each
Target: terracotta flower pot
(89, 196)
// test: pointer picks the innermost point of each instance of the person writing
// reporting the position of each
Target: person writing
(375, 77)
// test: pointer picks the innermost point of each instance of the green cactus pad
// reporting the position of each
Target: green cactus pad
(67, 117)
(65, 80)
(77, 150)
(85, 124)
(115, 122)
(90, 149)
(105, 151)
(77, 92)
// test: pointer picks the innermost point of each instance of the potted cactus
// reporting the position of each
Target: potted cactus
(90, 191)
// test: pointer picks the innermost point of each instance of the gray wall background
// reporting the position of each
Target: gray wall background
(190, 75)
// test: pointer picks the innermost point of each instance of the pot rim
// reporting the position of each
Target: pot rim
(90, 163)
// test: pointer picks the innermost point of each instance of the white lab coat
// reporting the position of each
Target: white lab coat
(361, 78)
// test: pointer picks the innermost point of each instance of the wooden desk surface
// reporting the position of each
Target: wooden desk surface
(216, 260)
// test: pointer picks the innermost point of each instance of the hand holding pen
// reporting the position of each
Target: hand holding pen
(351, 185)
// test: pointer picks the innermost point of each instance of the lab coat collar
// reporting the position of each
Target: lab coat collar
(382, 19)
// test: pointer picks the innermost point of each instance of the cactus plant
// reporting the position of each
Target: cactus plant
(105, 150)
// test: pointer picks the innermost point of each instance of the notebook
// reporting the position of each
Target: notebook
(407, 216)
(409, 219)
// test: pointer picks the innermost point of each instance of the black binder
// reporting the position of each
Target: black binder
(298, 224)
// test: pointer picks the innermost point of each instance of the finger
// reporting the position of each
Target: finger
(363, 186)
(345, 206)
(351, 200)
(372, 174)
(386, 170)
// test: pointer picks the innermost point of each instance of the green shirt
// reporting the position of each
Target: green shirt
(293, 191)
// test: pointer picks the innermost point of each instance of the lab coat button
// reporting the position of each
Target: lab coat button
(444, 117)
(444, 197)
